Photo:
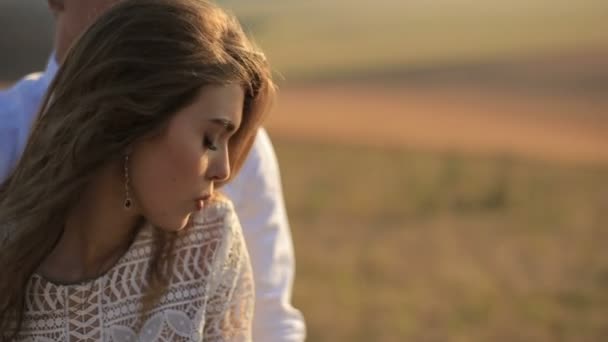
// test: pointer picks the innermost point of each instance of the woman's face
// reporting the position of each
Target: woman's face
(171, 173)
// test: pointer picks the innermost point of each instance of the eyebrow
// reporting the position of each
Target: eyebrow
(227, 124)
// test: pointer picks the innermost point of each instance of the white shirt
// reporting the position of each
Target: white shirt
(18, 109)
(256, 192)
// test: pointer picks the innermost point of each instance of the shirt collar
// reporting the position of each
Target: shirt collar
(51, 68)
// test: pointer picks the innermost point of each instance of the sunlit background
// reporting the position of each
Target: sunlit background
(445, 162)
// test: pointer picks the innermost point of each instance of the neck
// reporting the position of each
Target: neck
(97, 232)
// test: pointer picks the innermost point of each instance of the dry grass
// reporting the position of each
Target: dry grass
(338, 39)
(446, 118)
(421, 214)
(347, 36)
(396, 245)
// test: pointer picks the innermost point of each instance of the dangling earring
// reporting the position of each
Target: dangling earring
(128, 201)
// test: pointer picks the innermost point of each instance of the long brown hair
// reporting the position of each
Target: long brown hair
(128, 73)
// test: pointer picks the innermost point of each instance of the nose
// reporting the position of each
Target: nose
(219, 167)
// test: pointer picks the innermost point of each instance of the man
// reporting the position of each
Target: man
(256, 191)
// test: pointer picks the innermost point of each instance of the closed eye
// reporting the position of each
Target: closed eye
(207, 143)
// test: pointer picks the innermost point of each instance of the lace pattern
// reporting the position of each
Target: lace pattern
(209, 297)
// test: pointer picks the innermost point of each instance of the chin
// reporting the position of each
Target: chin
(177, 225)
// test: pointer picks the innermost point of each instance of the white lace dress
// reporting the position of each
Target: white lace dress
(209, 297)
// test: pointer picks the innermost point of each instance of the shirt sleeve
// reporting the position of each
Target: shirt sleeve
(10, 122)
(18, 109)
(258, 198)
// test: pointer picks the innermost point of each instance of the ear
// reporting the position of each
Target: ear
(56, 6)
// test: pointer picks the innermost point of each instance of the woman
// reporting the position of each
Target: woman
(111, 227)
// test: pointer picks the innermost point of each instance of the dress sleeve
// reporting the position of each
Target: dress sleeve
(229, 313)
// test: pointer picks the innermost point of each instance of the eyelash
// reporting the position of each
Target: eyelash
(207, 143)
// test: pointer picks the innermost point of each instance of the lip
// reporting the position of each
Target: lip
(204, 198)
(201, 201)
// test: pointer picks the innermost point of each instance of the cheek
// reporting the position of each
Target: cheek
(166, 177)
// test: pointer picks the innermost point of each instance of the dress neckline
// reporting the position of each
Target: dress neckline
(90, 281)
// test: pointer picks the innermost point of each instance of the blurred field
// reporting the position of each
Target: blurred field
(459, 118)
(398, 244)
(446, 213)
(333, 38)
